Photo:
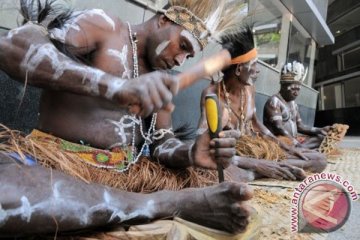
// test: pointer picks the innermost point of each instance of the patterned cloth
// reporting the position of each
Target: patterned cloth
(116, 159)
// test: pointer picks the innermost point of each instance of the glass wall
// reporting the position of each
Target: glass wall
(340, 95)
(299, 48)
(266, 22)
(352, 92)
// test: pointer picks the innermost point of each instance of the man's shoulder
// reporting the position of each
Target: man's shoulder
(98, 18)
(273, 101)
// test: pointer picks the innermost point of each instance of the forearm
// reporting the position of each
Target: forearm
(244, 162)
(174, 153)
(40, 201)
(303, 129)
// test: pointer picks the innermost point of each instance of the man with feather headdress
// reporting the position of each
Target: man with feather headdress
(282, 116)
(84, 112)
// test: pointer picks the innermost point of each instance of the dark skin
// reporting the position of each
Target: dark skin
(53, 201)
(284, 102)
(238, 81)
(76, 105)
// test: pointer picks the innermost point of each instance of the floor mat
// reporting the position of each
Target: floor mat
(273, 197)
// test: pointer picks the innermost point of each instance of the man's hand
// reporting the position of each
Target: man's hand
(295, 151)
(278, 170)
(210, 152)
(148, 93)
(323, 131)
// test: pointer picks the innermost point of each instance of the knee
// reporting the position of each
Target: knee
(319, 163)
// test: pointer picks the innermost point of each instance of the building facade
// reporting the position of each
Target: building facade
(338, 68)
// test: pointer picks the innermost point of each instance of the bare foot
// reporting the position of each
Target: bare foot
(297, 172)
(219, 207)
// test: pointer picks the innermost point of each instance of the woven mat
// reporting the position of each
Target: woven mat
(273, 197)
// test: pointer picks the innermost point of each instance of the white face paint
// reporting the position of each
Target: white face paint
(161, 47)
(194, 42)
(122, 57)
(38, 53)
(252, 76)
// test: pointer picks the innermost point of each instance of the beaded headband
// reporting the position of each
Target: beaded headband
(190, 22)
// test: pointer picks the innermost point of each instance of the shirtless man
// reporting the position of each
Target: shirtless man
(76, 101)
(237, 96)
(281, 113)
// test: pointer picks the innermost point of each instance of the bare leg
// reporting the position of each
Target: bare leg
(313, 142)
(41, 201)
(316, 163)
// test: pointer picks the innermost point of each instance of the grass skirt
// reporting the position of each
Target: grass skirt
(143, 176)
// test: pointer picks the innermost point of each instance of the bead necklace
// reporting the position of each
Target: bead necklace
(137, 120)
(240, 119)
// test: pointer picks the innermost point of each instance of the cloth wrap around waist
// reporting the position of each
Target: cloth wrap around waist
(102, 166)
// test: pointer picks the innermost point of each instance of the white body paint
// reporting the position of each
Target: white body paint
(113, 87)
(101, 13)
(38, 53)
(161, 47)
(15, 31)
(288, 112)
(66, 205)
(200, 131)
(72, 24)
(121, 56)
(167, 148)
(126, 122)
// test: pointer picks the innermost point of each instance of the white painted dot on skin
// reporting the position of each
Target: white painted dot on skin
(194, 42)
(160, 48)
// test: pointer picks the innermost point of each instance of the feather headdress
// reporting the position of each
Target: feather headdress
(206, 19)
(294, 72)
(240, 45)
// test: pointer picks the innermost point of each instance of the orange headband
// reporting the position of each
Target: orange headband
(245, 57)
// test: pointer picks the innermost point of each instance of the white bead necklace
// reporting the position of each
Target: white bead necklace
(146, 136)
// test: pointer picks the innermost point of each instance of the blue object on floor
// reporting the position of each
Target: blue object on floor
(29, 160)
